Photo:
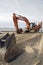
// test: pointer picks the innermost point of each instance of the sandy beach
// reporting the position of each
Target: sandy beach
(32, 44)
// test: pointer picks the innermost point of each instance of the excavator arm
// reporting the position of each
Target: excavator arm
(19, 17)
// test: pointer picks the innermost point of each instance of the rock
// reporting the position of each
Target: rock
(3, 39)
(10, 51)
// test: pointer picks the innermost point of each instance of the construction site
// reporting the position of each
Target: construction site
(24, 46)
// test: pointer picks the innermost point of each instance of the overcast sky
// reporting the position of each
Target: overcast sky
(32, 9)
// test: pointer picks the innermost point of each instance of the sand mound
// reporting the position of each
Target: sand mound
(31, 44)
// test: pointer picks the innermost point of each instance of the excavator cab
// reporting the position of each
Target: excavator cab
(32, 25)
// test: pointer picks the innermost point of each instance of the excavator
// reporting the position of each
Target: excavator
(28, 24)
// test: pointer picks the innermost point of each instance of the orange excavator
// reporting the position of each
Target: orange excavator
(28, 24)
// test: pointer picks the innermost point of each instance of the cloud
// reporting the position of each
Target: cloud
(32, 9)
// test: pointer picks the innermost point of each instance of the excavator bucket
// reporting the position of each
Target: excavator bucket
(8, 48)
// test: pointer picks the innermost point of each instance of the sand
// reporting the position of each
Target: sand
(32, 44)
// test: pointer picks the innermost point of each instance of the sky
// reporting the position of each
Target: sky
(32, 9)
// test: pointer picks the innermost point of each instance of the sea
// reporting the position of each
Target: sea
(7, 29)
(13, 29)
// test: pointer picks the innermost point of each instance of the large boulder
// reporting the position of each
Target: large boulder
(10, 51)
